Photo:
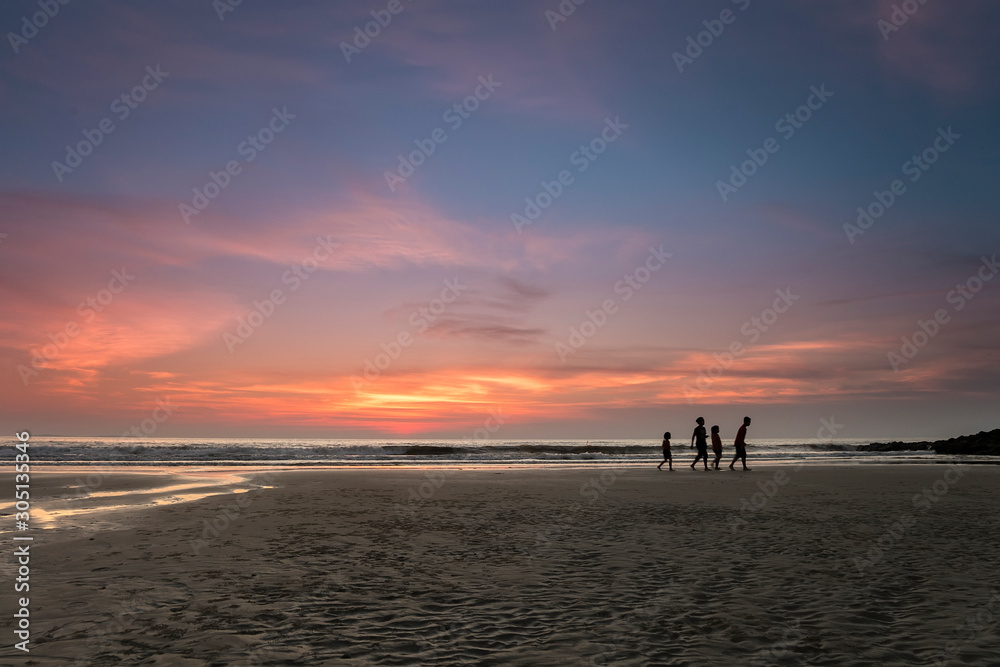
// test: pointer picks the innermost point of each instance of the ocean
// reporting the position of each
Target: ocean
(420, 452)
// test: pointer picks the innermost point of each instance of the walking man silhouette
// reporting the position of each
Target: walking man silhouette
(741, 445)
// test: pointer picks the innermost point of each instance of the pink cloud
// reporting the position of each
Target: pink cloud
(64, 249)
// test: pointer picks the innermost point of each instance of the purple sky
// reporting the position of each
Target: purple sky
(596, 225)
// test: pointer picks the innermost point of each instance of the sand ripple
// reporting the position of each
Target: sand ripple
(648, 574)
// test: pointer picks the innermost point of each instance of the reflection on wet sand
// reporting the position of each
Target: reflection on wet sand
(104, 510)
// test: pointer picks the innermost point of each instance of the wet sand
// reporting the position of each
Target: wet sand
(500, 566)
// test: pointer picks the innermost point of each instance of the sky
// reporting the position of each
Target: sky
(395, 218)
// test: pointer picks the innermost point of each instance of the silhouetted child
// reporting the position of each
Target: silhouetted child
(716, 446)
(669, 460)
(700, 440)
(741, 445)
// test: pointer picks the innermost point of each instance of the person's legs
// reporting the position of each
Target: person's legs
(718, 457)
(743, 455)
(704, 455)
(735, 458)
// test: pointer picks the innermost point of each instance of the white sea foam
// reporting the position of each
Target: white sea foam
(243, 451)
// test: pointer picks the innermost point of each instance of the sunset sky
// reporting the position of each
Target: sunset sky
(610, 121)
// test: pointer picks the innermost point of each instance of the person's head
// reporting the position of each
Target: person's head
(715, 429)
(666, 436)
(746, 421)
(700, 421)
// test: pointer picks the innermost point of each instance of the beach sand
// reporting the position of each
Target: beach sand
(519, 566)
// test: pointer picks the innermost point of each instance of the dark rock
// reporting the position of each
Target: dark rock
(894, 446)
(428, 450)
(984, 443)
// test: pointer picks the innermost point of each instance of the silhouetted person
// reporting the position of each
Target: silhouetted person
(667, 458)
(741, 445)
(700, 440)
(716, 446)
